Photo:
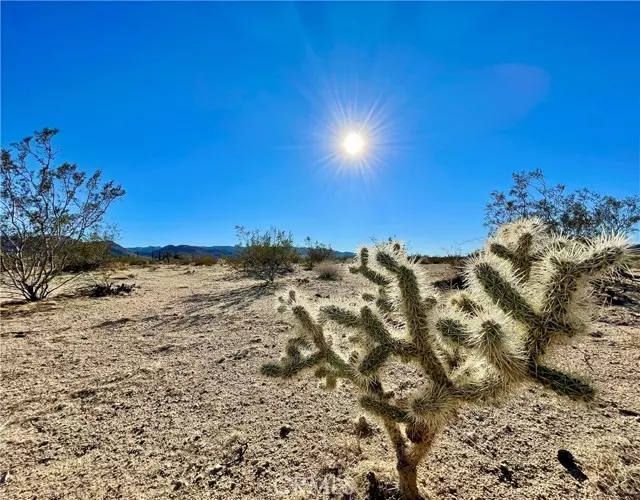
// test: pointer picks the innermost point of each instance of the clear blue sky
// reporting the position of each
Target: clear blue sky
(216, 114)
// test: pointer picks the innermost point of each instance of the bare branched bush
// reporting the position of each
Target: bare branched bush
(582, 213)
(47, 213)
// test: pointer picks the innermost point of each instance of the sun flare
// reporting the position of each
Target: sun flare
(353, 144)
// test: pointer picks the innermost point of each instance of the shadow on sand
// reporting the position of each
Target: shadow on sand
(202, 308)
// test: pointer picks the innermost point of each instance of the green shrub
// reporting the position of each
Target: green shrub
(87, 256)
(316, 253)
(132, 260)
(265, 255)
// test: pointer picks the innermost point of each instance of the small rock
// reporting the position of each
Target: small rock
(285, 430)
(240, 354)
(506, 475)
(177, 484)
(221, 360)
(216, 469)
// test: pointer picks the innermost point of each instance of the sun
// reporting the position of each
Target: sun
(353, 144)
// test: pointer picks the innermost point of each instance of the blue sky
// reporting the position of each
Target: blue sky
(216, 114)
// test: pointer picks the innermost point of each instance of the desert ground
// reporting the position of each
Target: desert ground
(158, 394)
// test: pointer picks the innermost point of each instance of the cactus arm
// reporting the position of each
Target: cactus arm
(492, 343)
(378, 406)
(463, 302)
(414, 310)
(520, 258)
(565, 273)
(455, 331)
(364, 270)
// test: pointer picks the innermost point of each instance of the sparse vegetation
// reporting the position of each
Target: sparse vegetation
(582, 213)
(87, 256)
(267, 254)
(204, 260)
(132, 260)
(316, 252)
(48, 213)
(328, 270)
(103, 284)
(527, 289)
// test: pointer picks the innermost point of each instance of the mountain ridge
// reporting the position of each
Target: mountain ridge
(217, 251)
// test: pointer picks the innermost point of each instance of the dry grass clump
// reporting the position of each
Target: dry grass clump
(328, 271)
(619, 472)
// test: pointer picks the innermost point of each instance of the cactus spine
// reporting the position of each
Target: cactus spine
(527, 288)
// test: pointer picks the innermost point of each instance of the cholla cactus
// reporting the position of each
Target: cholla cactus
(526, 289)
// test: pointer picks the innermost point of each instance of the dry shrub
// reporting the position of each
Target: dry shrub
(328, 271)
(103, 284)
(316, 252)
(619, 471)
(205, 260)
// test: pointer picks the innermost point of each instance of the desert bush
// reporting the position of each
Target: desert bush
(87, 256)
(582, 213)
(265, 254)
(454, 260)
(205, 260)
(527, 290)
(316, 253)
(103, 284)
(328, 271)
(46, 213)
(107, 289)
(233, 261)
(132, 260)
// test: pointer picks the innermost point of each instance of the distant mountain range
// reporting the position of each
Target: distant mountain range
(191, 250)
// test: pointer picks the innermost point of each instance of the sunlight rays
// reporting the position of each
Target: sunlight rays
(353, 136)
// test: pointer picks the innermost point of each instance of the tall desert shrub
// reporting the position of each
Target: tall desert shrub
(47, 212)
(267, 254)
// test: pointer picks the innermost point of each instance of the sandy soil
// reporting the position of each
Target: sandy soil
(158, 395)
